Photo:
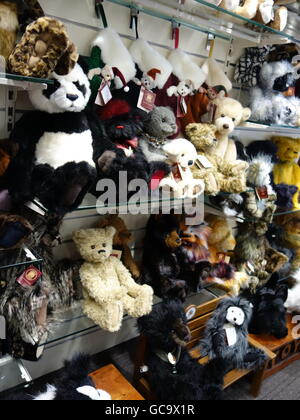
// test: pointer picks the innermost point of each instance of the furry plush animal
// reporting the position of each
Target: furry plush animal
(269, 313)
(221, 239)
(267, 100)
(109, 289)
(122, 152)
(9, 25)
(55, 158)
(291, 237)
(161, 267)
(217, 174)
(172, 373)
(273, 13)
(253, 253)
(44, 48)
(159, 125)
(226, 336)
(287, 171)
(181, 156)
(275, 236)
(185, 88)
(292, 303)
(247, 10)
(72, 384)
(121, 241)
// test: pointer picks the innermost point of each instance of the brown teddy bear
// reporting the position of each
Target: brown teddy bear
(120, 243)
(217, 173)
(221, 239)
(291, 226)
(44, 48)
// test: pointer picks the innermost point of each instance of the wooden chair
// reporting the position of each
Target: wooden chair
(286, 350)
(198, 317)
(112, 381)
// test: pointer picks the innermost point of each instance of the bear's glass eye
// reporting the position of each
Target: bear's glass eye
(104, 245)
(93, 247)
(233, 119)
(164, 120)
(222, 116)
(182, 155)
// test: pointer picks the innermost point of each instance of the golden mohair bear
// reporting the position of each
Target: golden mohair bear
(291, 226)
(221, 239)
(44, 48)
(9, 25)
(287, 171)
(109, 289)
(121, 240)
(217, 173)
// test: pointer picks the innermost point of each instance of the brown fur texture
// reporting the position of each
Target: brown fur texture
(40, 50)
(8, 27)
(221, 239)
(120, 242)
(291, 226)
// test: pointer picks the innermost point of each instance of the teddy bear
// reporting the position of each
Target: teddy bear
(159, 125)
(185, 88)
(13, 15)
(247, 10)
(221, 240)
(291, 237)
(273, 13)
(148, 79)
(121, 240)
(268, 101)
(287, 170)
(109, 289)
(161, 267)
(226, 336)
(217, 174)
(181, 156)
(44, 48)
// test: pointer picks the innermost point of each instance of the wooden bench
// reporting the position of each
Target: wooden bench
(286, 350)
(198, 317)
(112, 381)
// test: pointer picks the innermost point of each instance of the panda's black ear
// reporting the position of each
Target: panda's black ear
(82, 61)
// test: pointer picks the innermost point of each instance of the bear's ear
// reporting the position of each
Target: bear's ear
(79, 235)
(110, 232)
(246, 114)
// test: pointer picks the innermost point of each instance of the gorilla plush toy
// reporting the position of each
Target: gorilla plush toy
(55, 159)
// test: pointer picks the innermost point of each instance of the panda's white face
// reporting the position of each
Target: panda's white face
(235, 316)
(69, 93)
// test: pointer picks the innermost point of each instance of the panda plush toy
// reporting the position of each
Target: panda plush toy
(55, 160)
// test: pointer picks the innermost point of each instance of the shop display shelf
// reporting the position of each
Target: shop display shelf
(25, 258)
(73, 323)
(265, 34)
(272, 129)
(23, 83)
(13, 374)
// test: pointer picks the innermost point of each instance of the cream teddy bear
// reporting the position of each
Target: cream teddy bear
(109, 289)
(217, 173)
(181, 156)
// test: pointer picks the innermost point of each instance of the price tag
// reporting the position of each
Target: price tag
(146, 100)
(203, 162)
(230, 334)
(116, 253)
(29, 277)
(104, 95)
(262, 193)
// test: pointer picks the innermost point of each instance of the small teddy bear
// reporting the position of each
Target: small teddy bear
(185, 88)
(109, 289)
(181, 156)
(217, 174)
(159, 125)
(226, 336)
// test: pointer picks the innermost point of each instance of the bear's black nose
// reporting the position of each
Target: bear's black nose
(226, 126)
(100, 252)
(191, 162)
(234, 319)
(72, 98)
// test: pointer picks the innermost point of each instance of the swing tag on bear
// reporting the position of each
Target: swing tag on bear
(116, 253)
(172, 359)
(177, 173)
(230, 334)
(262, 193)
(104, 94)
(146, 100)
(29, 277)
(203, 162)
(181, 107)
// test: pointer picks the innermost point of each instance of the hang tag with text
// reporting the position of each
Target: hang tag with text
(178, 173)
(230, 334)
(29, 277)
(222, 257)
(181, 107)
(203, 162)
(116, 253)
(104, 95)
(146, 100)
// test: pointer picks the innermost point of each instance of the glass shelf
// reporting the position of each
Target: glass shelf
(25, 258)
(252, 126)
(263, 32)
(13, 374)
(22, 82)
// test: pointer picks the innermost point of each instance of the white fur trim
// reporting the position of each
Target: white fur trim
(94, 394)
(56, 149)
(215, 74)
(186, 69)
(147, 58)
(115, 54)
(49, 395)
